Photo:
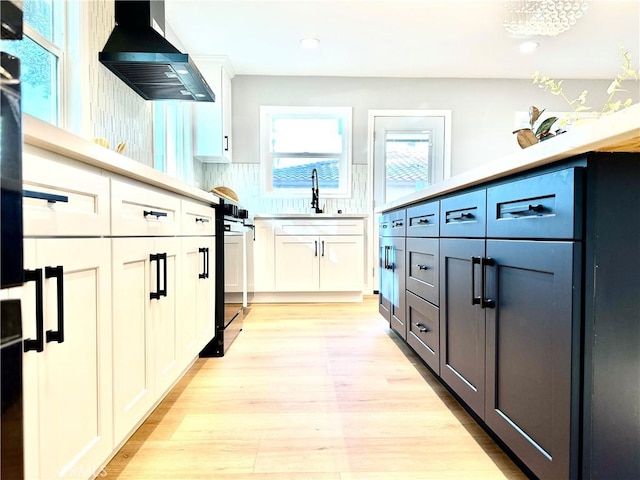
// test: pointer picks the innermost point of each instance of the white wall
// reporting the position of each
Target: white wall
(483, 112)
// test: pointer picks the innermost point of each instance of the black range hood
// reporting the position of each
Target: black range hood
(143, 59)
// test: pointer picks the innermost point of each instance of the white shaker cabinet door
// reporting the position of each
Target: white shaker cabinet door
(133, 369)
(74, 369)
(341, 263)
(297, 263)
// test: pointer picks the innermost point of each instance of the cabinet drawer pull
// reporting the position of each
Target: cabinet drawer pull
(422, 267)
(58, 274)
(316, 248)
(462, 216)
(422, 327)
(521, 209)
(37, 344)
(397, 223)
(226, 143)
(384, 225)
(323, 248)
(49, 197)
(203, 220)
(423, 221)
(154, 213)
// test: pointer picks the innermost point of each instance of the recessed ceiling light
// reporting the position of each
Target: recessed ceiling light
(528, 47)
(309, 43)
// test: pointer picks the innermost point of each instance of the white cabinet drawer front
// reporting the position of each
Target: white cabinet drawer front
(64, 198)
(138, 209)
(319, 227)
(197, 218)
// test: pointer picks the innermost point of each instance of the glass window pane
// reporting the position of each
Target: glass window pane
(406, 163)
(306, 135)
(296, 172)
(39, 73)
(39, 15)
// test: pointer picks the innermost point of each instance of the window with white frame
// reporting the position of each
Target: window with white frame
(295, 140)
(41, 53)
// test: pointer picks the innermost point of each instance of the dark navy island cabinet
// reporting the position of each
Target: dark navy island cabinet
(537, 311)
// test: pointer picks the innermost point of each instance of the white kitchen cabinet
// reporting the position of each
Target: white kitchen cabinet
(212, 120)
(67, 385)
(196, 314)
(145, 361)
(322, 255)
(263, 256)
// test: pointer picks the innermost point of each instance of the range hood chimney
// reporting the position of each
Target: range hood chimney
(143, 59)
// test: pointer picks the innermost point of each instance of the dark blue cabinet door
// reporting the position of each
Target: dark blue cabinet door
(533, 348)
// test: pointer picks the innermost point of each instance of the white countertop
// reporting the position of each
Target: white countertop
(309, 215)
(54, 139)
(617, 132)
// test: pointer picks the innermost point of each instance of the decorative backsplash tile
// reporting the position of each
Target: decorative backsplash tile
(115, 111)
(244, 179)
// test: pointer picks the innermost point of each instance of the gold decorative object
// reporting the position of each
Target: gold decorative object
(102, 142)
(121, 147)
(225, 192)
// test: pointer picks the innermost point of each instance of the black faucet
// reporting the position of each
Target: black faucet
(315, 196)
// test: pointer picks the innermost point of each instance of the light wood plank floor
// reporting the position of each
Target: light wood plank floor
(311, 392)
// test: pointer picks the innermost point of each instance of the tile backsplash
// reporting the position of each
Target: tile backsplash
(244, 179)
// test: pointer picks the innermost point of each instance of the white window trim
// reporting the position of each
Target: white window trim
(267, 112)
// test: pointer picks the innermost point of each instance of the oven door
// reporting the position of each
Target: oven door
(234, 272)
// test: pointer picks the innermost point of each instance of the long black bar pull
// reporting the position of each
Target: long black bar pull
(163, 290)
(475, 300)
(58, 274)
(204, 274)
(38, 343)
(49, 197)
(486, 302)
(154, 257)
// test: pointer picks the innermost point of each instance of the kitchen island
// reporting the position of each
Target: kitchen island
(518, 284)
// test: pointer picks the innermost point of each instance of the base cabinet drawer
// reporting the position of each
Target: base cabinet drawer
(422, 268)
(423, 325)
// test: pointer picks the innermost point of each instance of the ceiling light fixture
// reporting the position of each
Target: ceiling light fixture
(309, 43)
(542, 17)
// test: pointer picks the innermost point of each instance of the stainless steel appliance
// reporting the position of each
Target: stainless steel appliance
(11, 248)
(234, 275)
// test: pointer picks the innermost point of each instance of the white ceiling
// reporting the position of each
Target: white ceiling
(400, 38)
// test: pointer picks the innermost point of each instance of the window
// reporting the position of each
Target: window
(41, 52)
(295, 140)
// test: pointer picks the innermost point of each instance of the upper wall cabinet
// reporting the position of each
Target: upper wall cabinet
(212, 121)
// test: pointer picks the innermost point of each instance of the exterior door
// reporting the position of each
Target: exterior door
(462, 324)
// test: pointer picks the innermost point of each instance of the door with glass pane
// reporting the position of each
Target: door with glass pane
(408, 154)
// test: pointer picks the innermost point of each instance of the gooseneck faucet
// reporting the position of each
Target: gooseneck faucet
(315, 196)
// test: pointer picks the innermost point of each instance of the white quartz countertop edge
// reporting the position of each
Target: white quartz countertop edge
(57, 140)
(608, 131)
(309, 215)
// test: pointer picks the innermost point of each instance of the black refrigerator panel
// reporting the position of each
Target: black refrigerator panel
(11, 229)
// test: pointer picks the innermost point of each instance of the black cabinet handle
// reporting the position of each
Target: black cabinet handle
(323, 248)
(521, 209)
(58, 274)
(160, 292)
(226, 143)
(206, 264)
(486, 302)
(316, 251)
(423, 221)
(154, 213)
(49, 197)
(397, 223)
(384, 225)
(422, 267)
(474, 300)
(38, 343)
(422, 327)
(462, 216)
(203, 220)
(203, 251)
